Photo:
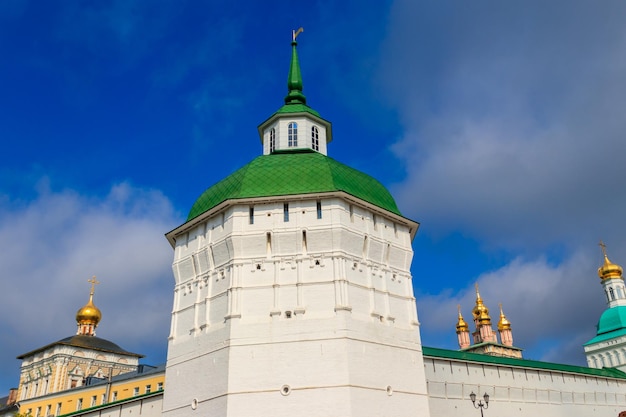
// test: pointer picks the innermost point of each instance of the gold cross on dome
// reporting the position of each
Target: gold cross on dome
(94, 282)
(603, 246)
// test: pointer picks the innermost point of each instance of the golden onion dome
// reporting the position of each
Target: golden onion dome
(609, 270)
(89, 313)
(480, 310)
(484, 317)
(504, 323)
(461, 325)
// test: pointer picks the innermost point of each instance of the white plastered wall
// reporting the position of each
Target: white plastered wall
(517, 391)
(311, 314)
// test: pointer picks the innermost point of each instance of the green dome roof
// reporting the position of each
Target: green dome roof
(291, 173)
(612, 322)
(612, 319)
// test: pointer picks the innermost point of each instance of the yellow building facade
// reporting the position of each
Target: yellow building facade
(80, 360)
(142, 382)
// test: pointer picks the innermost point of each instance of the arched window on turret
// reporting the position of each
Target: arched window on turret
(293, 134)
(620, 293)
(612, 293)
(272, 140)
(315, 138)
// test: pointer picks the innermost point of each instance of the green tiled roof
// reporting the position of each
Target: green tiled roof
(290, 173)
(297, 108)
(612, 323)
(524, 363)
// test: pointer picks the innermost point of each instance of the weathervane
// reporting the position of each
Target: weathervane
(295, 33)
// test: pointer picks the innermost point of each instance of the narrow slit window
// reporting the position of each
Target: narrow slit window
(365, 243)
(351, 213)
(251, 215)
(304, 244)
(315, 138)
(375, 222)
(286, 212)
(272, 140)
(387, 254)
(268, 243)
(292, 136)
(319, 209)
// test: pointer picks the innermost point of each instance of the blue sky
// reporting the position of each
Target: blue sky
(497, 125)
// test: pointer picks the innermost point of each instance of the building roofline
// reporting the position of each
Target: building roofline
(456, 355)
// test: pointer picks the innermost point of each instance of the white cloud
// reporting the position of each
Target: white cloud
(513, 136)
(57, 241)
(517, 136)
(553, 309)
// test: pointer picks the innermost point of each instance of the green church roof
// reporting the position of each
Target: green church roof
(297, 108)
(524, 363)
(612, 323)
(292, 173)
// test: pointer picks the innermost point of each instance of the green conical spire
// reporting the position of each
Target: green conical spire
(294, 81)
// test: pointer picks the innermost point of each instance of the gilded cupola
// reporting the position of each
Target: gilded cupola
(480, 311)
(609, 270)
(461, 324)
(88, 316)
(503, 323)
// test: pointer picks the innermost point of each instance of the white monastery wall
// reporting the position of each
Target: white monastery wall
(516, 391)
(145, 407)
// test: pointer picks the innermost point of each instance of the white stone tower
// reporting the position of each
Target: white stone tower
(293, 294)
(608, 348)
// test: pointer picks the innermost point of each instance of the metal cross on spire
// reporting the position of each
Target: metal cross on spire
(94, 282)
(603, 246)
